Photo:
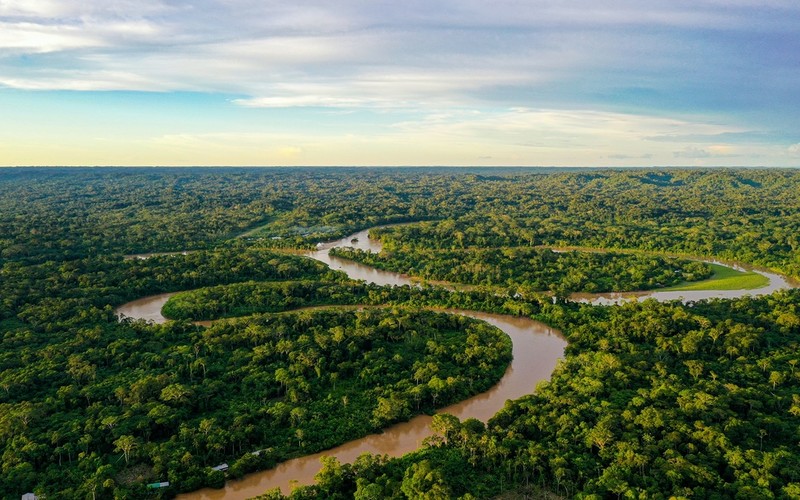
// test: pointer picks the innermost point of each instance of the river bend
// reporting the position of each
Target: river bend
(536, 350)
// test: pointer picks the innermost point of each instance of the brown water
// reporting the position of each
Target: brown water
(353, 269)
(776, 282)
(147, 308)
(370, 274)
(536, 349)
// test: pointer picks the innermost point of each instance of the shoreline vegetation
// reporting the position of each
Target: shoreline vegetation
(254, 298)
(533, 270)
(699, 277)
(725, 278)
(652, 398)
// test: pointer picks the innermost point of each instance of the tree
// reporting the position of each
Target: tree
(126, 444)
(422, 481)
(389, 410)
(177, 393)
(436, 386)
(445, 426)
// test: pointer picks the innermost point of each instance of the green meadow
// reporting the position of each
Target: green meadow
(725, 278)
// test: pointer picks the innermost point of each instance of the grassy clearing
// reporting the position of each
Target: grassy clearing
(725, 278)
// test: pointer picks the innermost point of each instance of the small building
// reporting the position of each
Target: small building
(29, 496)
(220, 467)
(155, 486)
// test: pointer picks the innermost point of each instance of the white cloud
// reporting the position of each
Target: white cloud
(537, 42)
(304, 101)
(36, 38)
(684, 71)
(711, 151)
(467, 137)
(532, 126)
(794, 149)
(60, 9)
(34, 8)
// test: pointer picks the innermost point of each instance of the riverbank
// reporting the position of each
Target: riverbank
(536, 347)
(725, 278)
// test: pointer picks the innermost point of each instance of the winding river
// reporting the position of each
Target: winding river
(536, 350)
(776, 282)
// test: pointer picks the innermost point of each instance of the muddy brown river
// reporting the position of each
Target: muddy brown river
(536, 349)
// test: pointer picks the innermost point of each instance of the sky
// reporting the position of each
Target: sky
(357, 82)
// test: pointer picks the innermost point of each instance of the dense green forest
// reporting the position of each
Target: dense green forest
(39, 293)
(534, 269)
(748, 215)
(181, 398)
(653, 400)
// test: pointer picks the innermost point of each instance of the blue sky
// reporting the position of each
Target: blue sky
(247, 82)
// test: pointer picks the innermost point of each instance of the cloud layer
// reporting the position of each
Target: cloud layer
(720, 67)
